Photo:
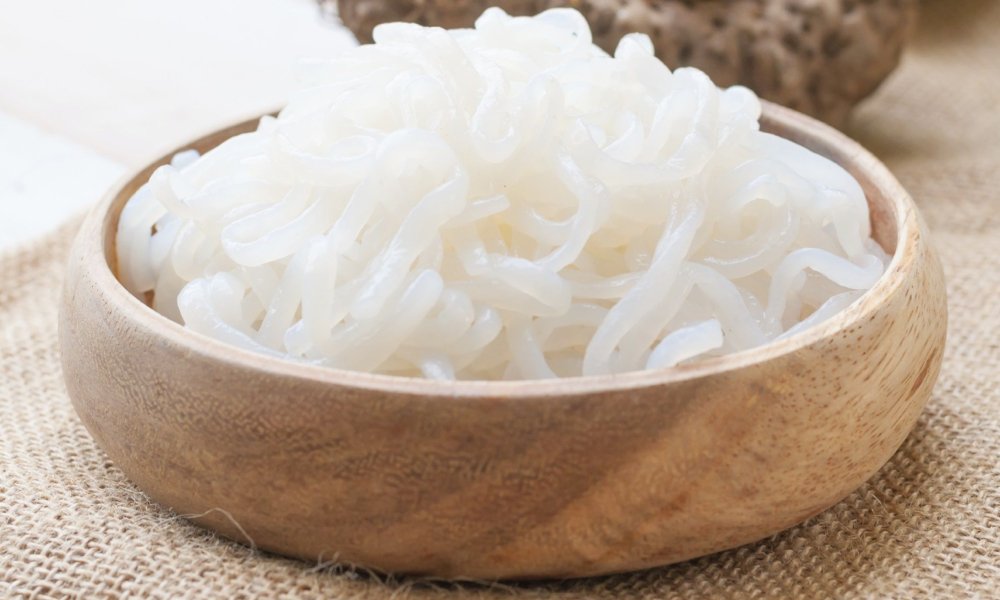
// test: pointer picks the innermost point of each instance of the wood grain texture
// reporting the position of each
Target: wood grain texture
(561, 478)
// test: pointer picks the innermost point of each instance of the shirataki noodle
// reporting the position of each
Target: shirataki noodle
(504, 202)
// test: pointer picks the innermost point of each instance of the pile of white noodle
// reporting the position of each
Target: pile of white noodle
(504, 202)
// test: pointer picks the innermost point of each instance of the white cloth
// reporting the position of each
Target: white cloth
(45, 179)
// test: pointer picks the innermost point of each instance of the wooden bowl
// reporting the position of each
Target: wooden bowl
(561, 478)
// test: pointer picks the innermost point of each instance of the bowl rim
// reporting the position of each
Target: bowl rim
(96, 240)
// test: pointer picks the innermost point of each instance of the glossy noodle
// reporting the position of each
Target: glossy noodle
(504, 202)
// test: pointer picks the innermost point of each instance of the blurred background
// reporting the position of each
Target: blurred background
(91, 89)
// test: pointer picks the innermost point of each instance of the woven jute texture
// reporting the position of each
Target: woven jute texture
(926, 526)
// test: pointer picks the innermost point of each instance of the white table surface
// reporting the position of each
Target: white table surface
(91, 89)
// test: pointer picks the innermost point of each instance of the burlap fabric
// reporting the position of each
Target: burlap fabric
(926, 526)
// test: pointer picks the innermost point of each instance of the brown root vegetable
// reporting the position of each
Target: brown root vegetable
(817, 56)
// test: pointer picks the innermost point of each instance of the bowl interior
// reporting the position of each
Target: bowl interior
(890, 214)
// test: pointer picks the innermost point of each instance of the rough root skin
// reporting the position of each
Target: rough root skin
(820, 57)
